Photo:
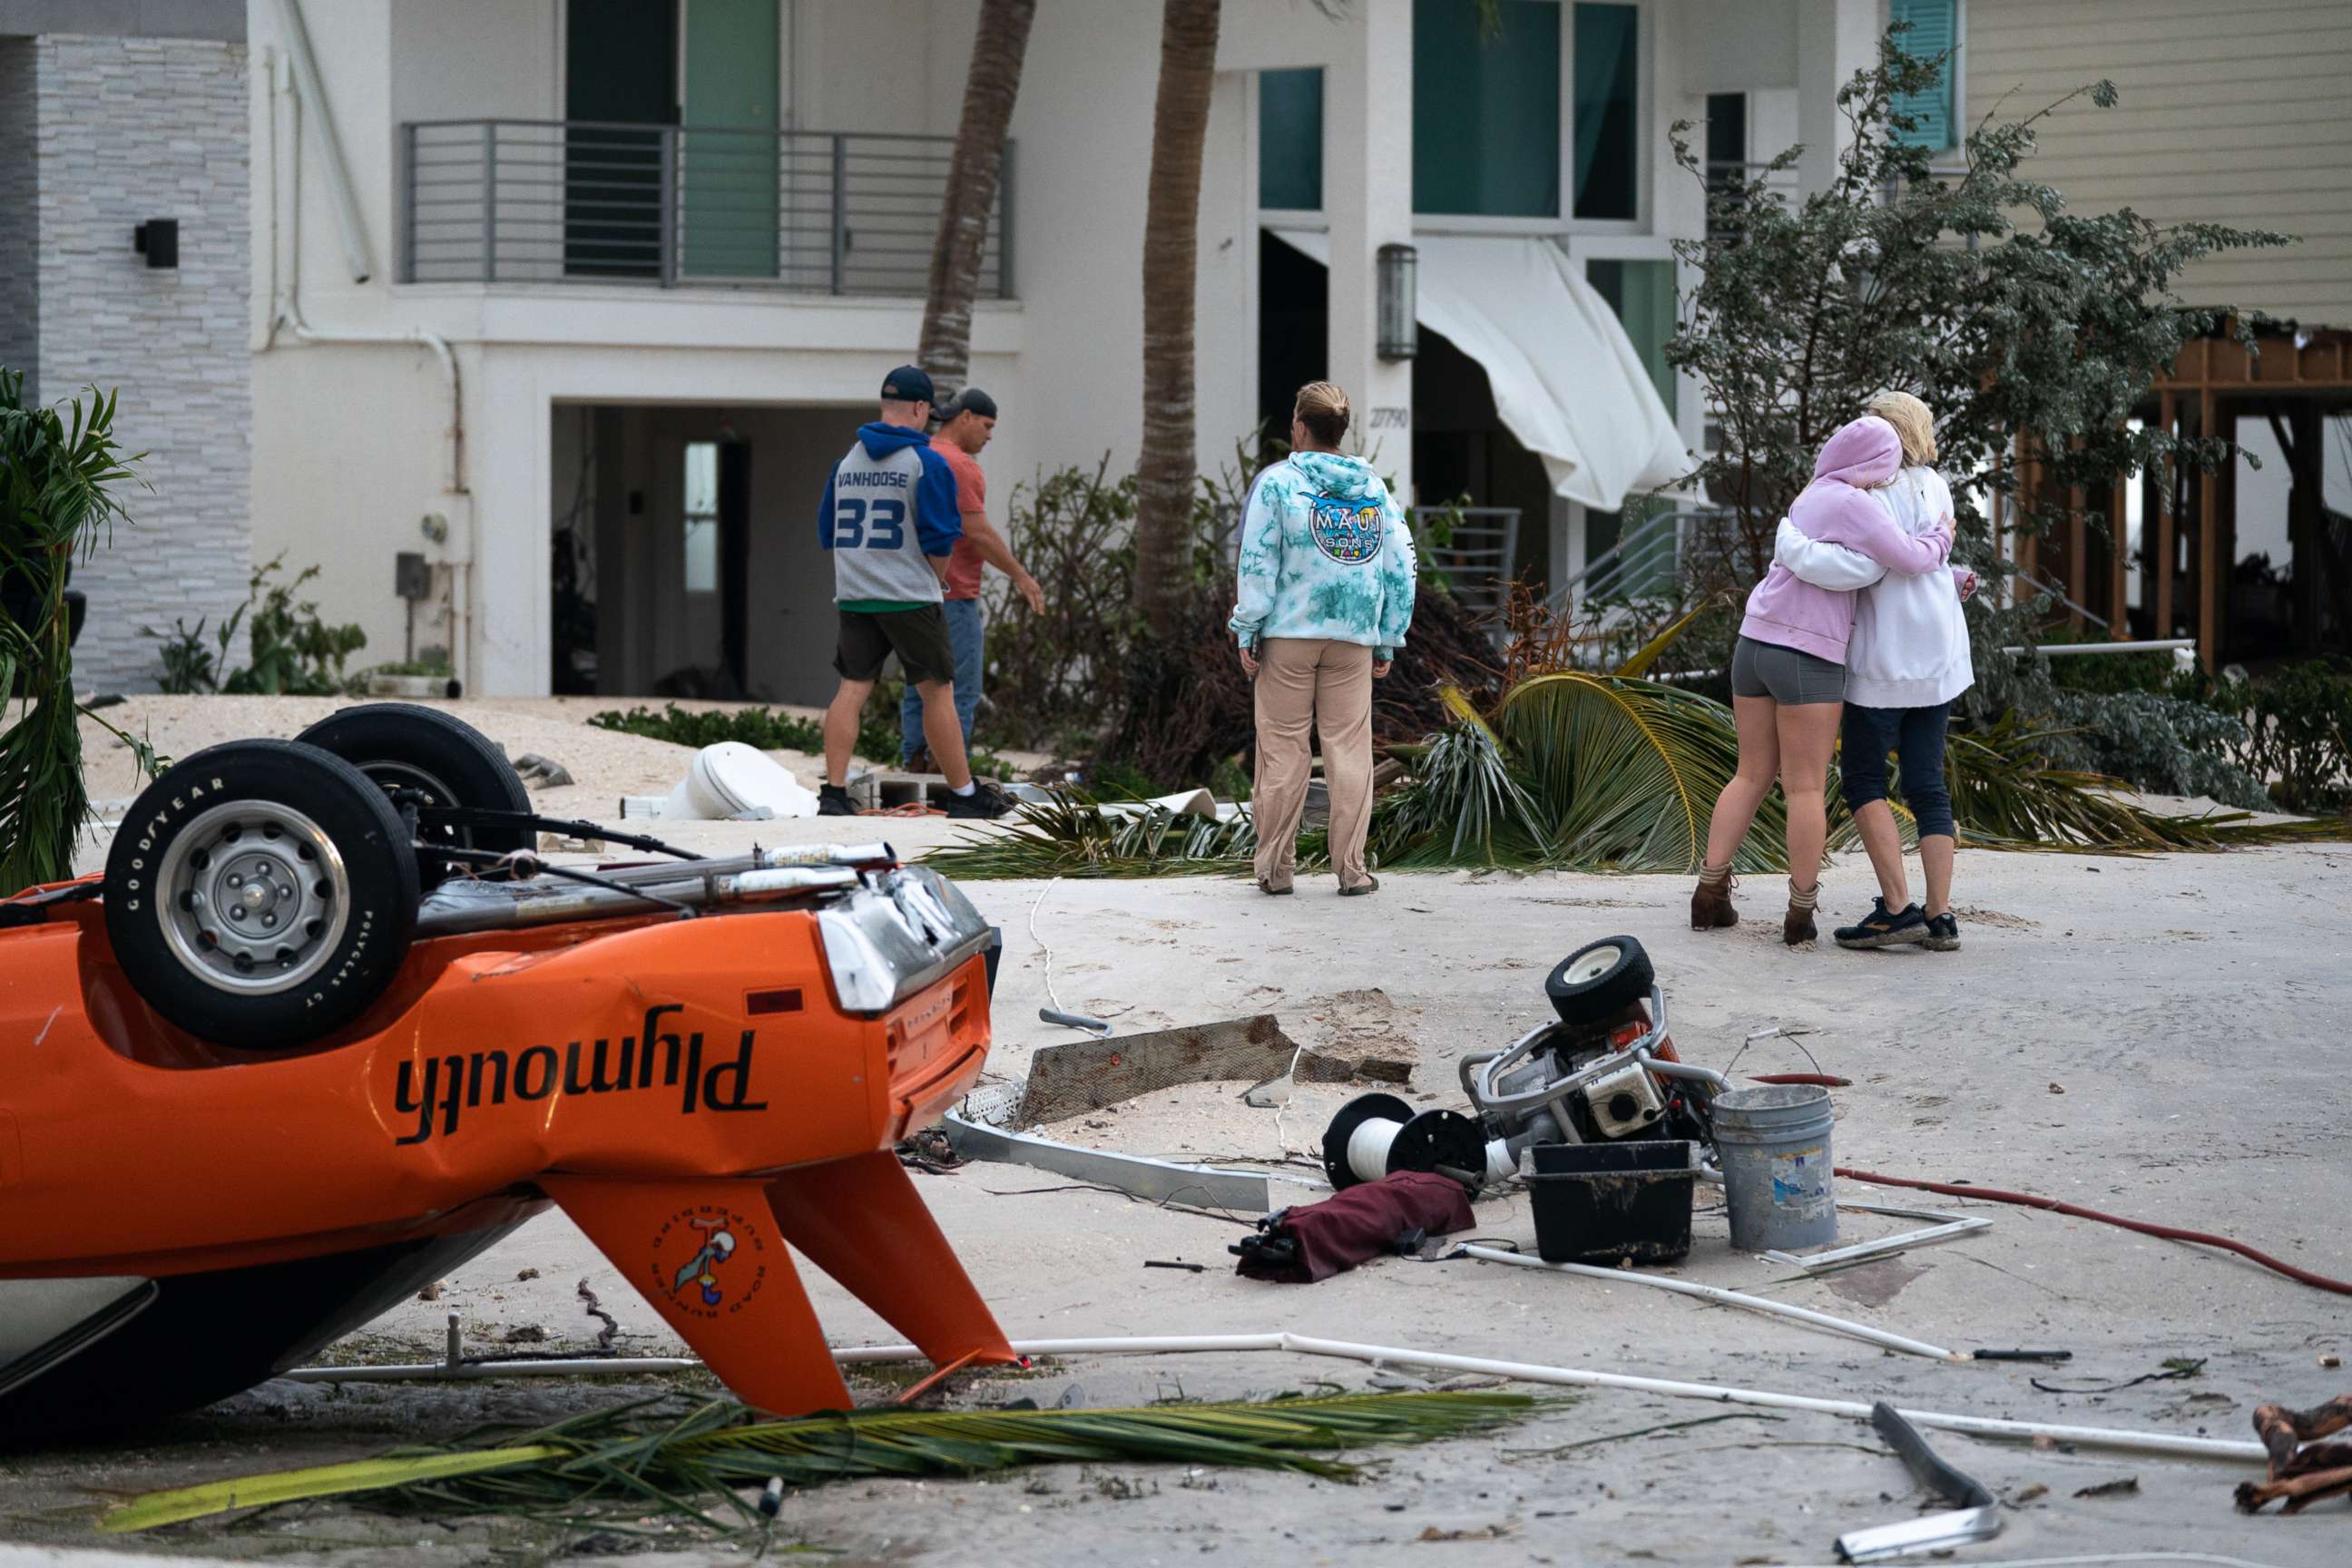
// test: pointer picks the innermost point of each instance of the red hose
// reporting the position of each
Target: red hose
(2168, 1232)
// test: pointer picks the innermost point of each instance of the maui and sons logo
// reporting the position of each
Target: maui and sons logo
(438, 1089)
(1347, 531)
(707, 1260)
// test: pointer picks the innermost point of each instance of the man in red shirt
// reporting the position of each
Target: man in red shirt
(969, 422)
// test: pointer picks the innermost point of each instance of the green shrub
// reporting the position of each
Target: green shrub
(2295, 727)
(291, 652)
(2162, 743)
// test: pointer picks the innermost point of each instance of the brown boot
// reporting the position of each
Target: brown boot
(1797, 926)
(1711, 908)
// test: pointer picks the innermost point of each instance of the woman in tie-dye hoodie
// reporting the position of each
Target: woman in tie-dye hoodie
(1325, 598)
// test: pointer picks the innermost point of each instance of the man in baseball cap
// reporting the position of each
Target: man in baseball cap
(889, 518)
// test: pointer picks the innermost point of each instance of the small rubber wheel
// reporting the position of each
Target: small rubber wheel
(1354, 1114)
(1600, 980)
(261, 894)
(402, 745)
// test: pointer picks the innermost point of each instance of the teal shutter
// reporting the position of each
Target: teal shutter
(1935, 27)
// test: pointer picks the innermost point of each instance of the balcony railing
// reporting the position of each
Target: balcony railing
(591, 201)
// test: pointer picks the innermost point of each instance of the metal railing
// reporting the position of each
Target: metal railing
(598, 201)
(1478, 556)
(1645, 561)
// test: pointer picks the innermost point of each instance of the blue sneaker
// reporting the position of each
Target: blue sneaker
(1944, 934)
(1884, 927)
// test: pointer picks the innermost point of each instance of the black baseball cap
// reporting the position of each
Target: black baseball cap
(907, 383)
(972, 400)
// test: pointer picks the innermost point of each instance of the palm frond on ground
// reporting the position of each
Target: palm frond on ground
(689, 1461)
(1582, 772)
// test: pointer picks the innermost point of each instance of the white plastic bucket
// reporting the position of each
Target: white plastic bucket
(1774, 1141)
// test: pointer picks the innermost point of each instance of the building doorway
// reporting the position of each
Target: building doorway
(685, 559)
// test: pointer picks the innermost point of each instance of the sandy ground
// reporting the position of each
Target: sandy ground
(2158, 1037)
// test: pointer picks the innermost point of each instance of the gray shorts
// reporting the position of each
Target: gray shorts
(1786, 675)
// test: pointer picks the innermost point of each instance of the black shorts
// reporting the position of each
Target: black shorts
(919, 637)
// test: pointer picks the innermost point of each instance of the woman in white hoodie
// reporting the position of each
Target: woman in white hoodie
(1906, 662)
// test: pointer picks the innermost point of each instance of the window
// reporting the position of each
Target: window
(701, 511)
(1726, 148)
(1642, 295)
(1608, 150)
(1290, 139)
(1486, 110)
(1935, 28)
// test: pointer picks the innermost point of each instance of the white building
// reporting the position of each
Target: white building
(504, 314)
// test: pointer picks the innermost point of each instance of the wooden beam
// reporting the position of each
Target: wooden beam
(2209, 543)
(2167, 546)
(2078, 555)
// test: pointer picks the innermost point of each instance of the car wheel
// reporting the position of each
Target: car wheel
(1600, 980)
(400, 745)
(261, 894)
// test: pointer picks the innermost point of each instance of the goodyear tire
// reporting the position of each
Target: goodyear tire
(1600, 980)
(261, 894)
(402, 745)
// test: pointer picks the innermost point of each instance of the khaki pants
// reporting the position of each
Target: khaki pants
(1331, 682)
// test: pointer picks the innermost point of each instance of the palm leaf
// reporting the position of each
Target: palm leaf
(1628, 770)
(642, 1454)
(1638, 664)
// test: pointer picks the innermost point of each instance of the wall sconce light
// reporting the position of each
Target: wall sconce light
(158, 240)
(1400, 334)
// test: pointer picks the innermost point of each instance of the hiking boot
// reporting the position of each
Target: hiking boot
(1885, 928)
(1711, 908)
(1797, 927)
(985, 803)
(832, 800)
(1943, 933)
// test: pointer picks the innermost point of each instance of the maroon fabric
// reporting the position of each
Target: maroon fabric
(1364, 1222)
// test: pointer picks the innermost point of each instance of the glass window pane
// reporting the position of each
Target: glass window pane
(701, 554)
(1935, 27)
(1608, 153)
(1486, 110)
(1290, 139)
(701, 478)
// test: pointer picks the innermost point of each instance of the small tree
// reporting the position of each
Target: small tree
(1900, 277)
(55, 505)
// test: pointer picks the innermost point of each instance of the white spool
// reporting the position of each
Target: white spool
(1368, 1148)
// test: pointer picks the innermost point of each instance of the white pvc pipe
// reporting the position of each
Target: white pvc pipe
(1721, 1298)
(459, 1372)
(1384, 1355)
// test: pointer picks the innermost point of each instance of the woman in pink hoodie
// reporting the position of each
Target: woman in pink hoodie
(1788, 671)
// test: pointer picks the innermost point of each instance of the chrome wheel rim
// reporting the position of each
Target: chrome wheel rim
(253, 897)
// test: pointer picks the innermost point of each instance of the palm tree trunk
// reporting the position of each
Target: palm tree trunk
(989, 90)
(1166, 473)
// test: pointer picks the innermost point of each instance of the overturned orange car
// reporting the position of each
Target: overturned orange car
(326, 1027)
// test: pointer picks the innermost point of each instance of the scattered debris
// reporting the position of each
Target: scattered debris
(2300, 1475)
(595, 1309)
(2030, 1493)
(431, 1292)
(1070, 1081)
(1175, 1263)
(1502, 1531)
(1245, 1192)
(525, 1335)
(2176, 1369)
(728, 780)
(2127, 1486)
(1978, 1517)
(2331, 1363)
(2057, 1089)
(542, 772)
(526, 1274)
(1947, 1227)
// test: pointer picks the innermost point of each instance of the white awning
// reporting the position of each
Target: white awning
(1567, 380)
